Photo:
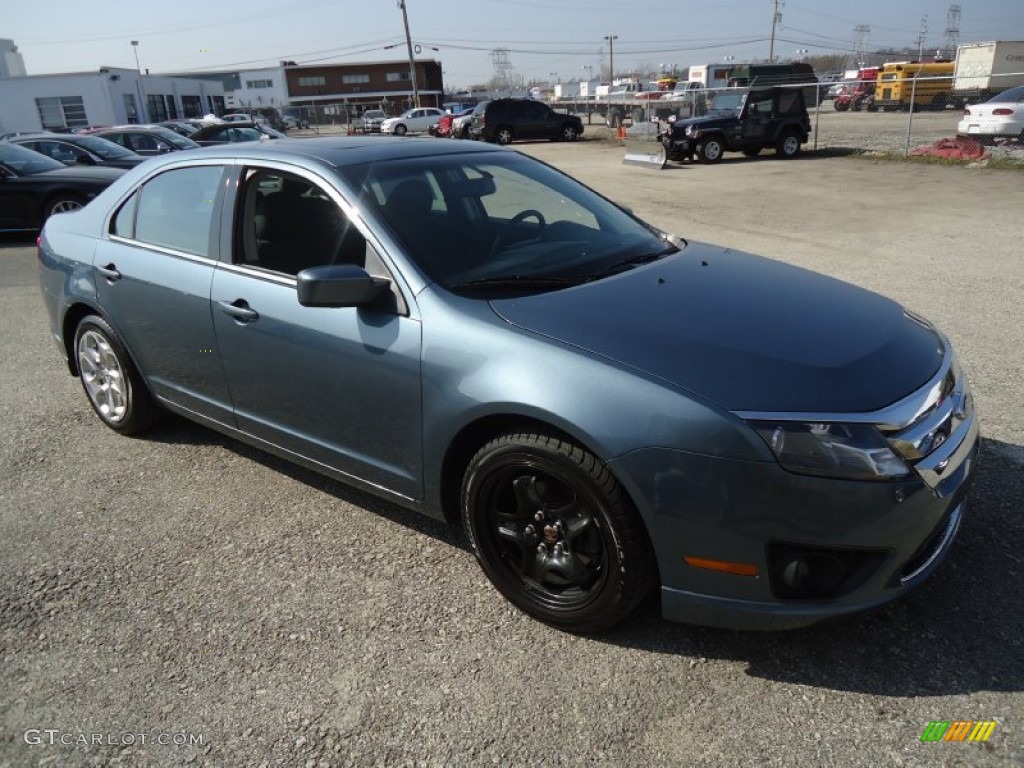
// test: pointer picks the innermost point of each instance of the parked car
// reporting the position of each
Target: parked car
(1002, 116)
(461, 123)
(186, 126)
(506, 120)
(147, 140)
(445, 125)
(469, 332)
(411, 121)
(295, 117)
(742, 120)
(33, 187)
(79, 149)
(229, 133)
(373, 119)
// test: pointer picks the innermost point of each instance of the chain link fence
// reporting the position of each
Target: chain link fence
(895, 115)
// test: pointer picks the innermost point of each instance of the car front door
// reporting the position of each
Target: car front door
(756, 120)
(153, 277)
(338, 386)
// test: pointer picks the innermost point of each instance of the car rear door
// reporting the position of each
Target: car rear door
(337, 386)
(153, 276)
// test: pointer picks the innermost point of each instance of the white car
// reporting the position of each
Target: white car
(1002, 115)
(413, 121)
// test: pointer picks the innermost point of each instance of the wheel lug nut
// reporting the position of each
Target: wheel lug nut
(559, 549)
(538, 516)
(541, 549)
(529, 530)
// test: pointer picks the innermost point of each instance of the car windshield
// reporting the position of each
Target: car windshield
(108, 150)
(727, 101)
(372, 114)
(503, 223)
(25, 162)
(176, 139)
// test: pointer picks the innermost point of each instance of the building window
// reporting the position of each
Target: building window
(259, 83)
(354, 79)
(192, 106)
(172, 107)
(398, 77)
(156, 108)
(131, 111)
(61, 112)
(313, 80)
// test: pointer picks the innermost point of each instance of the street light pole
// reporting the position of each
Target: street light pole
(412, 63)
(611, 56)
(142, 113)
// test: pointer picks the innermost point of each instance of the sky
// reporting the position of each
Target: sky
(545, 41)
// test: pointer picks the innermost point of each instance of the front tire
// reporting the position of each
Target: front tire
(503, 135)
(554, 532)
(569, 133)
(710, 150)
(400, 130)
(114, 388)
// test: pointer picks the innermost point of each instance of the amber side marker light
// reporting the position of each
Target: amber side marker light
(723, 566)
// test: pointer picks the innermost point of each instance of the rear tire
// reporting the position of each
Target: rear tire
(503, 135)
(114, 387)
(788, 145)
(555, 533)
(62, 203)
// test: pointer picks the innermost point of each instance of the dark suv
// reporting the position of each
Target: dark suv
(506, 120)
(743, 120)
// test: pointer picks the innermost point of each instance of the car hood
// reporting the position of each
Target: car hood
(704, 123)
(743, 331)
(98, 174)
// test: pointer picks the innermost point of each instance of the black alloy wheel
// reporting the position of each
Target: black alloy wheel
(555, 533)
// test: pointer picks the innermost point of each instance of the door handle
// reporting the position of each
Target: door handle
(239, 309)
(109, 271)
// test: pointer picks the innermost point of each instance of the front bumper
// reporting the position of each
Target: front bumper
(811, 547)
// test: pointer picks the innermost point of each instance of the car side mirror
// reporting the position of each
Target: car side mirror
(339, 285)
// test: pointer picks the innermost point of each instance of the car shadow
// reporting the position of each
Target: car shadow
(959, 632)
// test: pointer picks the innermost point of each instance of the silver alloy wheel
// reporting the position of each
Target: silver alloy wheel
(790, 145)
(65, 206)
(102, 376)
(712, 151)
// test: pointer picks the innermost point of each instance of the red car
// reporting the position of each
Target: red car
(443, 128)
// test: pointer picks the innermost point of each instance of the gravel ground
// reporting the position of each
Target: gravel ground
(185, 588)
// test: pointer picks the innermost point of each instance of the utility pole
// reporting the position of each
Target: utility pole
(412, 62)
(922, 37)
(776, 19)
(611, 57)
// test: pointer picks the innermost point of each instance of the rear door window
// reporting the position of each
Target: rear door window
(176, 209)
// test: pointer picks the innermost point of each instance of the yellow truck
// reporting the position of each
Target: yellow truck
(928, 85)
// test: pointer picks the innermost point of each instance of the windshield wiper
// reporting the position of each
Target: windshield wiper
(520, 281)
(630, 263)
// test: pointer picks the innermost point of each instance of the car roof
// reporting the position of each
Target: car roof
(339, 151)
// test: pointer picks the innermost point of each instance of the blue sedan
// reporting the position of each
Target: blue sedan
(606, 408)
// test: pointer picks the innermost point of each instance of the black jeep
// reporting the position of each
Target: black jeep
(743, 120)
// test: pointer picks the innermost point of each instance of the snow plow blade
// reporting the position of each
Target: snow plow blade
(649, 155)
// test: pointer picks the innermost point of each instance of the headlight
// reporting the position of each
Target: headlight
(848, 451)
